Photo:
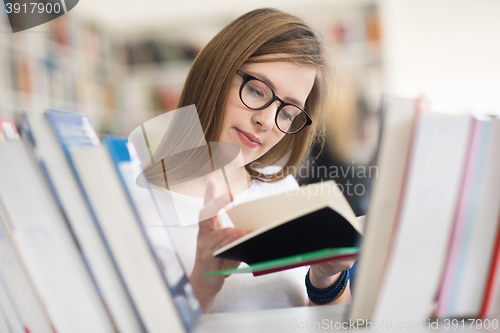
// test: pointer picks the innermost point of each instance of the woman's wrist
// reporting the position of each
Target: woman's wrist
(343, 298)
(205, 297)
(325, 291)
(322, 281)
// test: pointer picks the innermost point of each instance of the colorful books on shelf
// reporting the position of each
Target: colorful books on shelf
(136, 258)
(124, 236)
(430, 249)
(475, 225)
(147, 213)
(76, 255)
(420, 239)
(16, 279)
(51, 256)
(51, 150)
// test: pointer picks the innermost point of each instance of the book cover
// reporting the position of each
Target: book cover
(72, 130)
(312, 218)
(8, 131)
(19, 282)
(9, 311)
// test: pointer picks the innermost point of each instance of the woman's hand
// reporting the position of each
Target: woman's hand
(325, 274)
(211, 236)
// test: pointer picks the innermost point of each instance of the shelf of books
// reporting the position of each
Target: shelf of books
(122, 81)
(64, 64)
(78, 253)
(431, 245)
(76, 66)
(69, 262)
(356, 40)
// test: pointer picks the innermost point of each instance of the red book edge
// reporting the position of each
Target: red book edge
(9, 123)
(337, 258)
(493, 277)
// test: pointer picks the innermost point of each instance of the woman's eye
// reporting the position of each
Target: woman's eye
(257, 89)
(286, 115)
(256, 92)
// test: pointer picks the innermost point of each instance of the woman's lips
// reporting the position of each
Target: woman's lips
(248, 139)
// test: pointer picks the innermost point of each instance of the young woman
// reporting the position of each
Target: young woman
(261, 83)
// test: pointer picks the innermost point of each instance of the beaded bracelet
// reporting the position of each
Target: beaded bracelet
(329, 294)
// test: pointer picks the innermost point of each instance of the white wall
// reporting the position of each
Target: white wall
(447, 49)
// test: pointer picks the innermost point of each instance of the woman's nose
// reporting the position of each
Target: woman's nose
(265, 118)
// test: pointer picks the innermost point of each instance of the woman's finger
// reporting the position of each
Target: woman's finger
(209, 225)
(213, 206)
(232, 235)
(213, 240)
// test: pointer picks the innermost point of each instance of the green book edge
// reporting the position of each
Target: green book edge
(288, 261)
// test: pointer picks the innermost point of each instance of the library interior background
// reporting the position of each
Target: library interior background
(124, 62)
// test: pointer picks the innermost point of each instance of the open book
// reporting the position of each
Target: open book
(309, 225)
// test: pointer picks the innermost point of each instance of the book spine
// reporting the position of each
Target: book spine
(463, 225)
(471, 151)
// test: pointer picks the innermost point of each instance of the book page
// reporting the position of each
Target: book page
(271, 211)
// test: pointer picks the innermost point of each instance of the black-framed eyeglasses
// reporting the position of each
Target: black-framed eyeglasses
(255, 94)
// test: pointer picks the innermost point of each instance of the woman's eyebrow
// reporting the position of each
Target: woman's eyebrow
(264, 78)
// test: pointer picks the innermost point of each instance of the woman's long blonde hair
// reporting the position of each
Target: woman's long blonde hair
(256, 33)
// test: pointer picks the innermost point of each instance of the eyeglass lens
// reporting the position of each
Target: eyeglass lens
(256, 94)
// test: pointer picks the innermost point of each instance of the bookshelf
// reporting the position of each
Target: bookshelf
(354, 35)
(121, 81)
(65, 64)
